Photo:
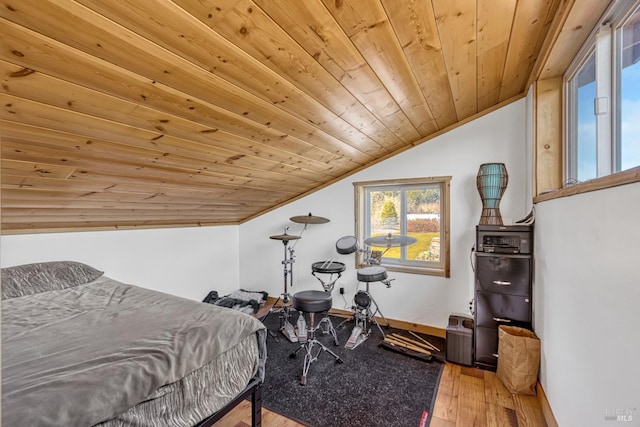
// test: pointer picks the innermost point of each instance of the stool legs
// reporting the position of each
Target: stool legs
(310, 356)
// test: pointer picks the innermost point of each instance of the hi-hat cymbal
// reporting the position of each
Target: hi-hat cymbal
(284, 236)
(390, 240)
(309, 219)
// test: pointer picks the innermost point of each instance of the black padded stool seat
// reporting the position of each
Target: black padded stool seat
(312, 301)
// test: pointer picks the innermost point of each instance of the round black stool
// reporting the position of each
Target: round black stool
(313, 302)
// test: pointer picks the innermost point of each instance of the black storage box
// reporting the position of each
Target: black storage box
(460, 340)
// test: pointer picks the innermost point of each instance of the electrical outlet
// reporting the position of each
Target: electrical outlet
(341, 290)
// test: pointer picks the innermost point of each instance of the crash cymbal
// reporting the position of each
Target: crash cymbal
(284, 236)
(309, 219)
(390, 240)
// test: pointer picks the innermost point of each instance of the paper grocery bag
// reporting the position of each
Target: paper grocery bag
(518, 359)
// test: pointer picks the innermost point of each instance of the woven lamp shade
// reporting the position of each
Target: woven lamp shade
(492, 180)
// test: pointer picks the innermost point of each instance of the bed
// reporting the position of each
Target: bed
(81, 349)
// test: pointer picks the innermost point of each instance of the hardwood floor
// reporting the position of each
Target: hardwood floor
(466, 397)
(473, 397)
(240, 416)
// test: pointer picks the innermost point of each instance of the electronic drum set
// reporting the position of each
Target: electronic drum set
(364, 309)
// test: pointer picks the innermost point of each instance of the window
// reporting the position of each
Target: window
(583, 148)
(628, 124)
(603, 98)
(417, 208)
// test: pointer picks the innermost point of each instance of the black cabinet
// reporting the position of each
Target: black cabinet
(503, 292)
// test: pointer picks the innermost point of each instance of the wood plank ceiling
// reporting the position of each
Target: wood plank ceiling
(138, 113)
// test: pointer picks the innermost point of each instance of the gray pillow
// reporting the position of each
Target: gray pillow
(30, 279)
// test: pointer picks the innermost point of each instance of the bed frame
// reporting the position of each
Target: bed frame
(255, 390)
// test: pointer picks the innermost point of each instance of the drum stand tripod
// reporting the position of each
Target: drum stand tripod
(285, 325)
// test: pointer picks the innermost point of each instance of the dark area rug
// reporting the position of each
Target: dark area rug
(373, 387)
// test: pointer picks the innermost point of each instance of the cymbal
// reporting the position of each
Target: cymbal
(284, 236)
(390, 240)
(309, 219)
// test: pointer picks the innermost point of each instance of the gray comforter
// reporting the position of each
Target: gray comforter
(79, 356)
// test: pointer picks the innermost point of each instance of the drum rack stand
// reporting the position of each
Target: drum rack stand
(286, 327)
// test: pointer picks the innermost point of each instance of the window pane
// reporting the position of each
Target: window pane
(417, 214)
(629, 142)
(423, 223)
(584, 150)
(384, 209)
(384, 216)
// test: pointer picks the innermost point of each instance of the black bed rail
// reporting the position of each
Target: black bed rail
(255, 390)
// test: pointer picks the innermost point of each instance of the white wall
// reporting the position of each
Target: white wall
(587, 298)
(188, 262)
(429, 300)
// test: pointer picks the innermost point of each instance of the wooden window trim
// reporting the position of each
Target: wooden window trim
(620, 178)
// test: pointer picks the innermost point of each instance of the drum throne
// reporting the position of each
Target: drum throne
(314, 302)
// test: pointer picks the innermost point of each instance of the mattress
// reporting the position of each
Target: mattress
(108, 353)
(197, 395)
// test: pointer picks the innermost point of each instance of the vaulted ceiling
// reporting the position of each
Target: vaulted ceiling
(138, 113)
